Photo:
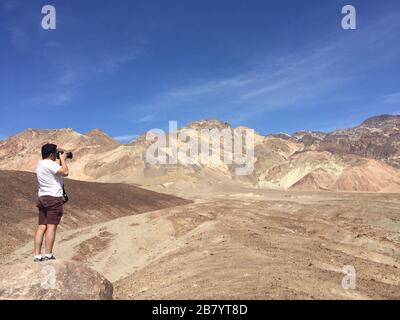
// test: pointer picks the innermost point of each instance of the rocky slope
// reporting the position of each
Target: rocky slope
(364, 158)
(376, 138)
(90, 203)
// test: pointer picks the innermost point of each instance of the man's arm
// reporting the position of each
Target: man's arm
(63, 171)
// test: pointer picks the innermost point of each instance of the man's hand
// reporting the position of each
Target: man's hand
(63, 157)
(63, 172)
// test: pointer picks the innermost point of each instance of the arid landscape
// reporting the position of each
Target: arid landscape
(315, 203)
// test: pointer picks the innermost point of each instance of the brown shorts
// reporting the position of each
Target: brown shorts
(50, 210)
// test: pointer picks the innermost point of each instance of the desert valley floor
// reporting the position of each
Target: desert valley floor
(238, 243)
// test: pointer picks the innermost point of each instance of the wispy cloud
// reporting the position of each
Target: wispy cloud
(126, 138)
(10, 5)
(18, 37)
(59, 97)
(391, 99)
(299, 80)
(68, 72)
(112, 62)
(138, 114)
(145, 119)
(212, 87)
(71, 78)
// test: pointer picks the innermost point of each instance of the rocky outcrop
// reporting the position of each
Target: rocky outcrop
(53, 280)
(376, 138)
(209, 124)
(102, 139)
(384, 120)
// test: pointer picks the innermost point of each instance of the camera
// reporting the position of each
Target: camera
(69, 154)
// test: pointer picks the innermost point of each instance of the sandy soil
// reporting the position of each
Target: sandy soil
(245, 244)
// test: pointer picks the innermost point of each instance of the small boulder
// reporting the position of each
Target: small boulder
(53, 280)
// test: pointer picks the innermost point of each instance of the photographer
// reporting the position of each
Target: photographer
(51, 198)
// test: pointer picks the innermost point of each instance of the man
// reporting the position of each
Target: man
(50, 203)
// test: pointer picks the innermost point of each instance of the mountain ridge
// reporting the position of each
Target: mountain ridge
(324, 160)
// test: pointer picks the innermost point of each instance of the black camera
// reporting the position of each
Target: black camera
(69, 154)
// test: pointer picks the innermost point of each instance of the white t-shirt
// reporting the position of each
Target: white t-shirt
(49, 183)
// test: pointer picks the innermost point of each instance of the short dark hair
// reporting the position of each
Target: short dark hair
(48, 149)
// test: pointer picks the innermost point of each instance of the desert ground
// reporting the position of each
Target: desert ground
(239, 243)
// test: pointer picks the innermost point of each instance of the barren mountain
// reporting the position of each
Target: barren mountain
(307, 160)
(359, 159)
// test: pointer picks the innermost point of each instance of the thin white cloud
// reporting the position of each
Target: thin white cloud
(213, 86)
(69, 77)
(391, 99)
(126, 138)
(148, 118)
(57, 98)
(112, 63)
(138, 114)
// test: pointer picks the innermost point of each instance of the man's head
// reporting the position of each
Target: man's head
(49, 151)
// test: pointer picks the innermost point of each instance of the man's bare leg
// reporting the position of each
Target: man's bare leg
(50, 238)
(39, 238)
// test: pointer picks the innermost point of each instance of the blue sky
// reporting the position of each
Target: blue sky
(129, 66)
